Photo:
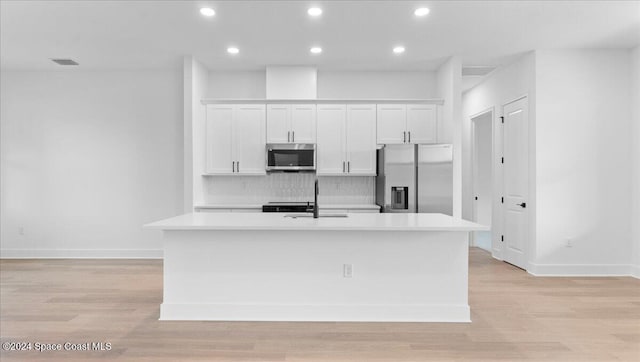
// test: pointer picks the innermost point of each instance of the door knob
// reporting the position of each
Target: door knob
(523, 205)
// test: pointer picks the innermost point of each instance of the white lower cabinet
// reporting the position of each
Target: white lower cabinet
(235, 139)
(346, 139)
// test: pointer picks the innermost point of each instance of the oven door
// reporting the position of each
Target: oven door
(291, 157)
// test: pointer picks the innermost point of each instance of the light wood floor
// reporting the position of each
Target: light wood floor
(515, 317)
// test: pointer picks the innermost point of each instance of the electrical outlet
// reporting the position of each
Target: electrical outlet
(348, 270)
(568, 243)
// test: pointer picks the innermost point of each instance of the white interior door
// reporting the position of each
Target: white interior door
(516, 182)
(361, 139)
(482, 177)
(422, 123)
(249, 135)
(330, 153)
(219, 145)
(303, 123)
(391, 123)
(278, 123)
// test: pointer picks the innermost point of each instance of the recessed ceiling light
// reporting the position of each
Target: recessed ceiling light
(421, 11)
(233, 50)
(207, 12)
(314, 11)
(398, 50)
(316, 50)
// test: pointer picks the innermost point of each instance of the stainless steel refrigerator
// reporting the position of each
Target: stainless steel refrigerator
(415, 178)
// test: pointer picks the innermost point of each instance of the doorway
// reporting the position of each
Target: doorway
(482, 165)
(515, 148)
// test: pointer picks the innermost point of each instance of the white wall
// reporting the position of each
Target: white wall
(196, 86)
(635, 158)
(331, 84)
(449, 88)
(372, 84)
(86, 159)
(583, 158)
(237, 84)
(502, 86)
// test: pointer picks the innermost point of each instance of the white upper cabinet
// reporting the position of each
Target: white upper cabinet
(346, 140)
(303, 123)
(422, 123)
(219, 146)
(288, 123)
(235, 139)
(407, 123)
(278, 123)
(249, 128)
(361, 139)
(392, 123)
(331, 142)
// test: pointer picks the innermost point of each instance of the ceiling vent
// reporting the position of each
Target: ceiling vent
(64, 61)
(476, 71)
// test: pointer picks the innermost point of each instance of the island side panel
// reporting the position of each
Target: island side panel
(299, 276)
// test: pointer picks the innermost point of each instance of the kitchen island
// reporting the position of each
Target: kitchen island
(272, 267)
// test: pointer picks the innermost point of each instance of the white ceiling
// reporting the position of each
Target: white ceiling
(353, 34)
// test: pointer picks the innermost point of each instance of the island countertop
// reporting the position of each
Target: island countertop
(353, 222)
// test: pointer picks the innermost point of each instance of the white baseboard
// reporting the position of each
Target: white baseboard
(81, 254)
(588, 270)
(316, 313)
(635, 271)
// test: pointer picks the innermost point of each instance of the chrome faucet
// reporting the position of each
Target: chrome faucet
(316, 208)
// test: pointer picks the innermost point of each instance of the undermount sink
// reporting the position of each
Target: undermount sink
(295, 216)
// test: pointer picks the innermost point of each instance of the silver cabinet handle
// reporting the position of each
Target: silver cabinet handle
(349, 166)
(233, 166)
(404, 137)
(343, 167)
(293, 136)
(409, 136)
(237, 166)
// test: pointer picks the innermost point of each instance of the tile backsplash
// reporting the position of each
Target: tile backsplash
(288, 187)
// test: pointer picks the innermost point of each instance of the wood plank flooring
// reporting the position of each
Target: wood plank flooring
(515, 317)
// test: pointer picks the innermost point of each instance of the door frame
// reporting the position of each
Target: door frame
(494, 190)
(500, 176)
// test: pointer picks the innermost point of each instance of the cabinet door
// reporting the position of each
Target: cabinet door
(422, 123)
(303, 123)
(391, 123)
(278, 123)
(219, 145)
(249, 136)
(361, 139)
(330, 149)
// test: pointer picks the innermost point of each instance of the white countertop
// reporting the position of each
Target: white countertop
(354, 222)
(259, 206)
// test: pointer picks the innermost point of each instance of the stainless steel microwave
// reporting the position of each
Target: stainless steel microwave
(291, 157)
